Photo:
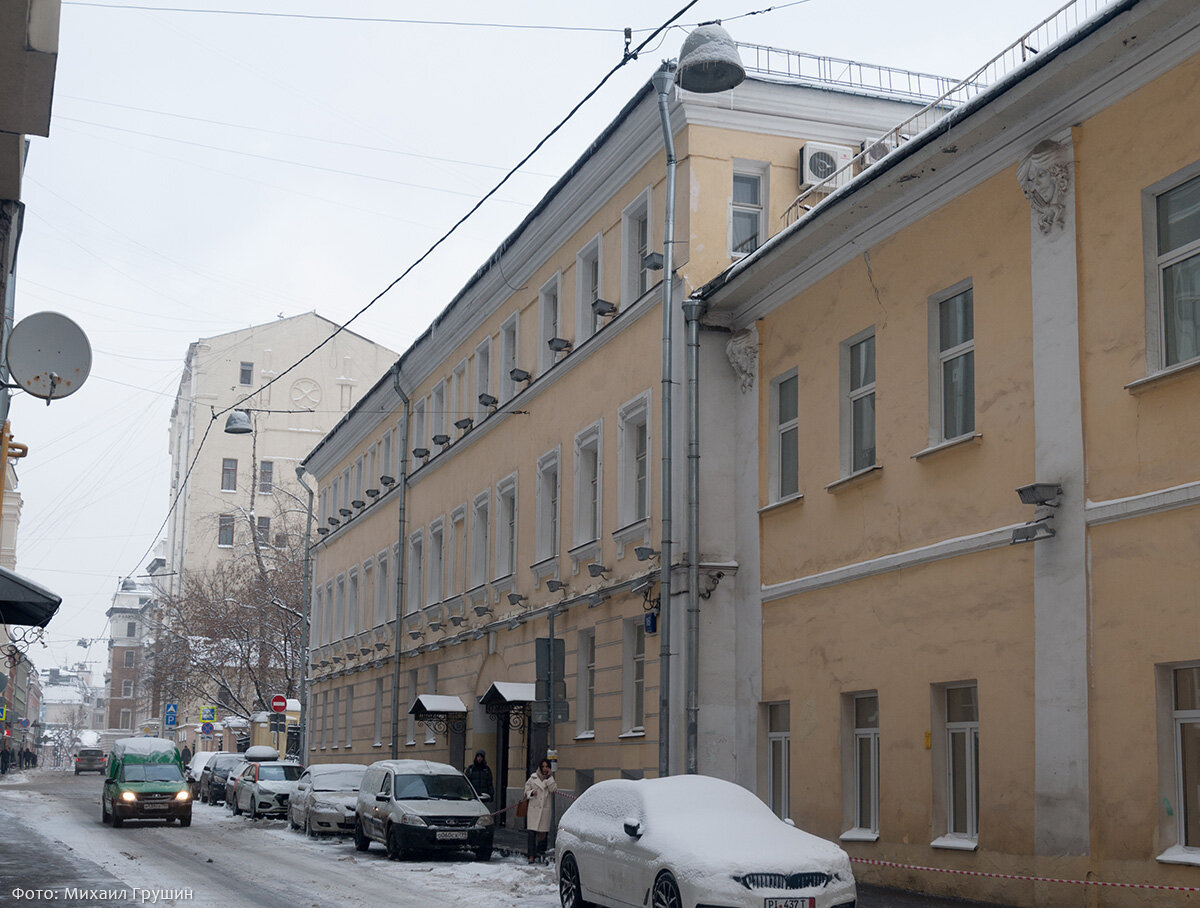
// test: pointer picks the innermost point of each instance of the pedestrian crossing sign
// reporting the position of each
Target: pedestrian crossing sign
(3, 713)
(208, 714)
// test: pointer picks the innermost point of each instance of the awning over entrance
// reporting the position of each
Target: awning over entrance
(24, 602)
(505, 692)
(440, 712)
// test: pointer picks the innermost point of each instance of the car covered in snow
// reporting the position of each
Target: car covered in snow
(418, 805)
(325, 797)
(145, 782)
(196, 767)
(265, 788)
(687, 841)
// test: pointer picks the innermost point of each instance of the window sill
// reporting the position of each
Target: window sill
(859, 835)
(584, 553)
(635, 733)
(946, 445)
(854, 478)
(781, 503)
(638, 531)
(377, 744)
(955, 843)
(586, 736)
(547, 567)
(1179, 854)
(410, 743)
(1163, 376)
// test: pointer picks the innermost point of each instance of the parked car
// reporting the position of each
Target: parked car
(416, 805)
(264, 789)
(325, 797)
(232, 779)
(145, 782)
(214, 774)
(684, 840)
(195, 767)
(90, 759)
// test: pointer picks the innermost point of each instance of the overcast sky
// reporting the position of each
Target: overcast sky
(206, 172)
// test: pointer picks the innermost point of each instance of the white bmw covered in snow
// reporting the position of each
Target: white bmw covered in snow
(689, 842)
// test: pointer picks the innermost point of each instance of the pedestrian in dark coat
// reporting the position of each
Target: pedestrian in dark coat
(5, 757)
(186, 755)
(479, 774)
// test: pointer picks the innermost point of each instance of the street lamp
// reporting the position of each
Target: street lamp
(708, 63)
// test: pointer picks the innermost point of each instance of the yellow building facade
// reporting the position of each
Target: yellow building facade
(502, 485)
(981, 693)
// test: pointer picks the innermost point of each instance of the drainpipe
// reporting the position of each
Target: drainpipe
(693, 309)
(305, 717)
(402, 454)
(663, 81)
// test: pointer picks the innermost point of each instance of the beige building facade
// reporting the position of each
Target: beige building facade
(501, 488)
(984, 694)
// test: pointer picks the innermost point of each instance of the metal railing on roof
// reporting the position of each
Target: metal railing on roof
(792, 65)
(1046, 33)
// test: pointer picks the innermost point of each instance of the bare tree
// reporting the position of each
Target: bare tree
(234, 636)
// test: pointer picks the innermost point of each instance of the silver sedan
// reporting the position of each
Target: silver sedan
(324, 799)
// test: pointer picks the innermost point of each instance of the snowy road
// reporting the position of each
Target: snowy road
(224, 860)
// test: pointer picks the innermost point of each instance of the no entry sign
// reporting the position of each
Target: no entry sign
(279, 703)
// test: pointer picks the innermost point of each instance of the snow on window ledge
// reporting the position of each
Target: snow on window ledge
(859, 835)
(956, 843)
(586, 736)
(634, 733)
(1180, 854)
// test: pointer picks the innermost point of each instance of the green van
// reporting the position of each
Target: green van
(145, 782)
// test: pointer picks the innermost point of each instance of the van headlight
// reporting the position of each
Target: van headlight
(183, 795)
(411, 819)
(485, 820)
(128, 796)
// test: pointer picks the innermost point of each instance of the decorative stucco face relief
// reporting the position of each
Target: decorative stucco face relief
(742, 350)
(1045, 178)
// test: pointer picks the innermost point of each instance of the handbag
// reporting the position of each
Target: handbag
(523, 808)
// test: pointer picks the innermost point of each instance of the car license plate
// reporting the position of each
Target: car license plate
(153, 806)
(797, 902)
(455, 835)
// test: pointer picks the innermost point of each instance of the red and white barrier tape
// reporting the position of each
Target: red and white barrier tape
(1016, 876)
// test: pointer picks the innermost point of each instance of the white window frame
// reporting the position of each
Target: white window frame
(1172, 828)
(339, 607)
(229, 474)
(386, 455)
(506, 526)
(318, 617)
(127, 689)
(245, 373)
(411, 731)
(586, 321)
(480, 537)
(366, 595)
(779, 429)
(779, 787)
(349, 715)
(633, 677)
(330, 613)
(549, 319)
(636, 278)
(1155, 265)
(456, 548)
(126, 719)
(378, 737)
(437, 411)
(225, 521)
(337, 716)
(585, 682)
(416, 572)
(435, 576)
(938, 358)
(630, 416)
(589, 490)
(460, 403)
(266, 476)
(870, 735)
(549, 504)
(510, 339)
(848, 396)
(483, 376)
(943, 764)
(417, 437)
(761, 171)
(431, 675)
(352, 601)
(384, 590)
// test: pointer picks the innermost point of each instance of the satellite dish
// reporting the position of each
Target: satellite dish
(49, 355)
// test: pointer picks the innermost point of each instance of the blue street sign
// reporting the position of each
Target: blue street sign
(206, 728)
(170, 714)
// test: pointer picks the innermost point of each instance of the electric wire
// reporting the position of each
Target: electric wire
(626, 58)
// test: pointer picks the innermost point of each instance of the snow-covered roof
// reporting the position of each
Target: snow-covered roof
(293, 705)
(155, 748)
(437, 703)
(61, 693)
(510, 692)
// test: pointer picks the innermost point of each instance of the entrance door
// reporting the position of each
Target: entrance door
(457, 735)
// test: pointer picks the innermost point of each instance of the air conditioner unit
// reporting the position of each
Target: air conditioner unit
(876, 150)
(818, 162)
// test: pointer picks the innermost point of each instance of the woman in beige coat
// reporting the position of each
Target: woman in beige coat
(539, 791)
